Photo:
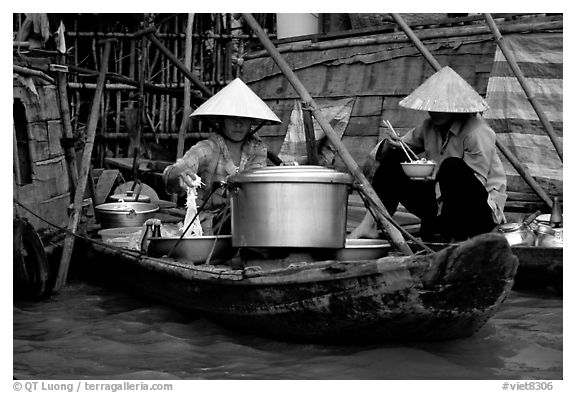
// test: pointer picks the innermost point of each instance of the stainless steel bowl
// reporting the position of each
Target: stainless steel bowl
(194, 250)
(124, 214)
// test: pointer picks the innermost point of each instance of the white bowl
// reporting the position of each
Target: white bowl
(418, 169)
(362, 249)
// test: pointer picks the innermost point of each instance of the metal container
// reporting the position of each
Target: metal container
(289, 206)
(549, 237)
(124, 214)
(194, 249)
(517, 234)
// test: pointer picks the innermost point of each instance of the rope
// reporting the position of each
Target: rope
(65, 230)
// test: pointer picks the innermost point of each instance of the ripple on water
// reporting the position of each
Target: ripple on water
(93, 332)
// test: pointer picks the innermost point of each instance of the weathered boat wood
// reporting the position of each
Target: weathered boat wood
(539, 267)
(448, 294)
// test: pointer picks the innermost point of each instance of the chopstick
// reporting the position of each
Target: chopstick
(404, 145)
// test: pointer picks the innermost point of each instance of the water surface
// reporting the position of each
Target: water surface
(91, 331)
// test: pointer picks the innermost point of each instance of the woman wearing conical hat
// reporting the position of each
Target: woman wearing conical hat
(465, 196)
(232, 148)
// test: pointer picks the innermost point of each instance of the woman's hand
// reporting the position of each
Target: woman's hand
(179, 179)
(391, 137)
(186, 179)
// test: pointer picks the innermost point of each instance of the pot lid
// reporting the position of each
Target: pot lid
(129, 197)
(126, 207)
(292, 174)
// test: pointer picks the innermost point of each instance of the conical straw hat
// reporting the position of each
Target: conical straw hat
(445, 91)
(236, 100)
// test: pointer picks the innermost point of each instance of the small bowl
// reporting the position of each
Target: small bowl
(418, 170)
(194, 249)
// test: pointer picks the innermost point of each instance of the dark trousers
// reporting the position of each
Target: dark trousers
(465, 210)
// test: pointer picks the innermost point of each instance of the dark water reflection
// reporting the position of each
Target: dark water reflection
(93, 332)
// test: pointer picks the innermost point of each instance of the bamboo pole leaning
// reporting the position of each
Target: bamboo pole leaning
(505, 151)
(68, 134)
(382, 215)
(84, 172)
(428, 34)
(524, 83)
(187, 109)
(151, 34)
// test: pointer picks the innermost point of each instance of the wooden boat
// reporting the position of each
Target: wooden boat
(442, 295)
(539, 268)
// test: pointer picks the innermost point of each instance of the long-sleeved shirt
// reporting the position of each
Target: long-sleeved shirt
(210, 159)
(472, 140)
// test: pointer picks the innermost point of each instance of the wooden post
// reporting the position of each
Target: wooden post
(522, 80)
(507, 153)
(311, 148)
(69, 150)
(382, 215)
(84, 171)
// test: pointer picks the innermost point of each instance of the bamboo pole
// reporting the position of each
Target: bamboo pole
(410, 34)
(174, 81)
(505, 151)
(150, 33)
(524, 83)
(382, 214)
(120, 59)
(70, 152)
(84, 171)
(428, 34)
(30, 72)
(187, 107)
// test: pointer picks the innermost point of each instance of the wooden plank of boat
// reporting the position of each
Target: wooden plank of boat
(539, 267)
(447, 294)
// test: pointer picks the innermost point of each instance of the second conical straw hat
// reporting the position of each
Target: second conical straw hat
(445, 91)
(236, 100)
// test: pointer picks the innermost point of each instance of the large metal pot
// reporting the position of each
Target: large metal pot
(124, 214)
(289, 206)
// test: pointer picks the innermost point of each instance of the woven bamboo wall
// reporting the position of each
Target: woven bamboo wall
(218, 41)
(47, 193)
